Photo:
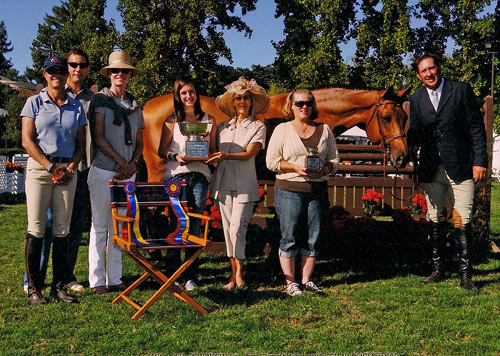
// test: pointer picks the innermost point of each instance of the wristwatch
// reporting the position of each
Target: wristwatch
(51, 167)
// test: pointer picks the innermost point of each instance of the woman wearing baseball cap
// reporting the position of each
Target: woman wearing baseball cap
(53, 134)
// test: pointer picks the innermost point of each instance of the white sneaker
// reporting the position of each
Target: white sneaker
(312, 287)
(75, 286)
(190, 285)
(293, 289)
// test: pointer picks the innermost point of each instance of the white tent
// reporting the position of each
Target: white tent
(3, 113)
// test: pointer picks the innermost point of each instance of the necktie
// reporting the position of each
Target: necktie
(434, 99)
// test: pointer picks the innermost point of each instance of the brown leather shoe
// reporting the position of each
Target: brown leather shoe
(101, 290)
(117, 287)
(36, 299)
(62, 296)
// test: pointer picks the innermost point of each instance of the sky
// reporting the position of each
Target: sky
(21, 18)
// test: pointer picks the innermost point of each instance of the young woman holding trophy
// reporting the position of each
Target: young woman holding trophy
(187, 138)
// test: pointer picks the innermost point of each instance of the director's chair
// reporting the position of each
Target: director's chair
(171, 194)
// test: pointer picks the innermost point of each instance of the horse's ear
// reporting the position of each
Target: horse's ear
(403, 93)
(389, 94)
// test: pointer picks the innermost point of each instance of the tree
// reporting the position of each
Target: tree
(310, 56)
(11, 130)
(75, 24)
(183, 37)
(5, 47)
(462, 24)
(383, 39)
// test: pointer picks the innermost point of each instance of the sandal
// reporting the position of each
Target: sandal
(230, 285)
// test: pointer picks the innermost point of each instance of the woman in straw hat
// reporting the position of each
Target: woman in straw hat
(196, 173)
(303, 154)
(234, 184)
(117, 129)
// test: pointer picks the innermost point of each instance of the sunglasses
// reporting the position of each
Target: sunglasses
(57, 70)
(300, 104)
(76, 65)
(118, 70)
(242, 97)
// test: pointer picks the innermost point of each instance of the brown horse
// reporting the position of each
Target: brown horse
(380, 113)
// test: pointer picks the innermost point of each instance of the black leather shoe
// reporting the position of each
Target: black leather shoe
(62, 296)
(435, 277)
(466, 283)
(36, 299)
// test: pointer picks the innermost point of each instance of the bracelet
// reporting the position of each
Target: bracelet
(171, 156)
(51, 167)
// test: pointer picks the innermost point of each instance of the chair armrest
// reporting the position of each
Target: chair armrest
(124, 218)
(200, 216)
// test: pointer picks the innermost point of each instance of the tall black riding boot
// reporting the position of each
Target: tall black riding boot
(60, 269)
(462, 238)
(438, 236)
(33, 253)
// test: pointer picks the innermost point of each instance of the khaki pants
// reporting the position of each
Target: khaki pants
(461, 196)
(235, 216)
(41, 193)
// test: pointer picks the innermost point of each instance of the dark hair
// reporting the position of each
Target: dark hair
(78, 52)
(435, 57)
(287, 108)
(178, 106)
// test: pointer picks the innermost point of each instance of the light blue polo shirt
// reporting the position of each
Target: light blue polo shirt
(56, 127)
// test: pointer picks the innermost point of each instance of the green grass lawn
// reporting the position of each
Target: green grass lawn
(360, 313)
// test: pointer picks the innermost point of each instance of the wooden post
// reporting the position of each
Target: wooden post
(482, 198)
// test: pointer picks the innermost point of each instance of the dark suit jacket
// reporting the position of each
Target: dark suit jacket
(454, 135)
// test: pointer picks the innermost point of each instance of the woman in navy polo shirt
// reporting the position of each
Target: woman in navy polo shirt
(53, 134)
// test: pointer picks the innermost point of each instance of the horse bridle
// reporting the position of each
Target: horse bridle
(385, 141)
(385, 148)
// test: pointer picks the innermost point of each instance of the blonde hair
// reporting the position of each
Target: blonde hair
(287, 108)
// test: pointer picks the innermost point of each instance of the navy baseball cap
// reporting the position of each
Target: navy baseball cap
(55, 61)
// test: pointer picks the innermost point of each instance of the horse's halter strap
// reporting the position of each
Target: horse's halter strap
(385, 140)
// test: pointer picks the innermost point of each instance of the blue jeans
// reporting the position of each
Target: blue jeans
(300, 216)
(197, 188)
(47, 243)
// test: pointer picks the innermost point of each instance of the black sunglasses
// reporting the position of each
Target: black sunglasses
(118, 70)
(75, 65)
(56, 70)
(300, 104)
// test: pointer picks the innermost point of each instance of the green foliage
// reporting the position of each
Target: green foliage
(310, 56)
(75, 24)
(12, 124)
(5, 47)
(383, 39)
(169, 39)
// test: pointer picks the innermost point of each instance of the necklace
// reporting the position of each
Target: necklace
(302, 130)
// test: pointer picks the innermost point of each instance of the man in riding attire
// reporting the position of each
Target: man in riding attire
(446, 125)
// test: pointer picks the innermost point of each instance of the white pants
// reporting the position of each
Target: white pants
(236, 216)
(105, 259)
(460, 194)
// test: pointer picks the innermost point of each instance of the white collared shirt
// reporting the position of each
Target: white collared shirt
(438, 90)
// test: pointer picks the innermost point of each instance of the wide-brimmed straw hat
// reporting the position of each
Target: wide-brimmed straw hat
(119, 59)
(241, 86)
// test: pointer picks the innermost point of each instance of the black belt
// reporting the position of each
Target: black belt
(59, 159)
